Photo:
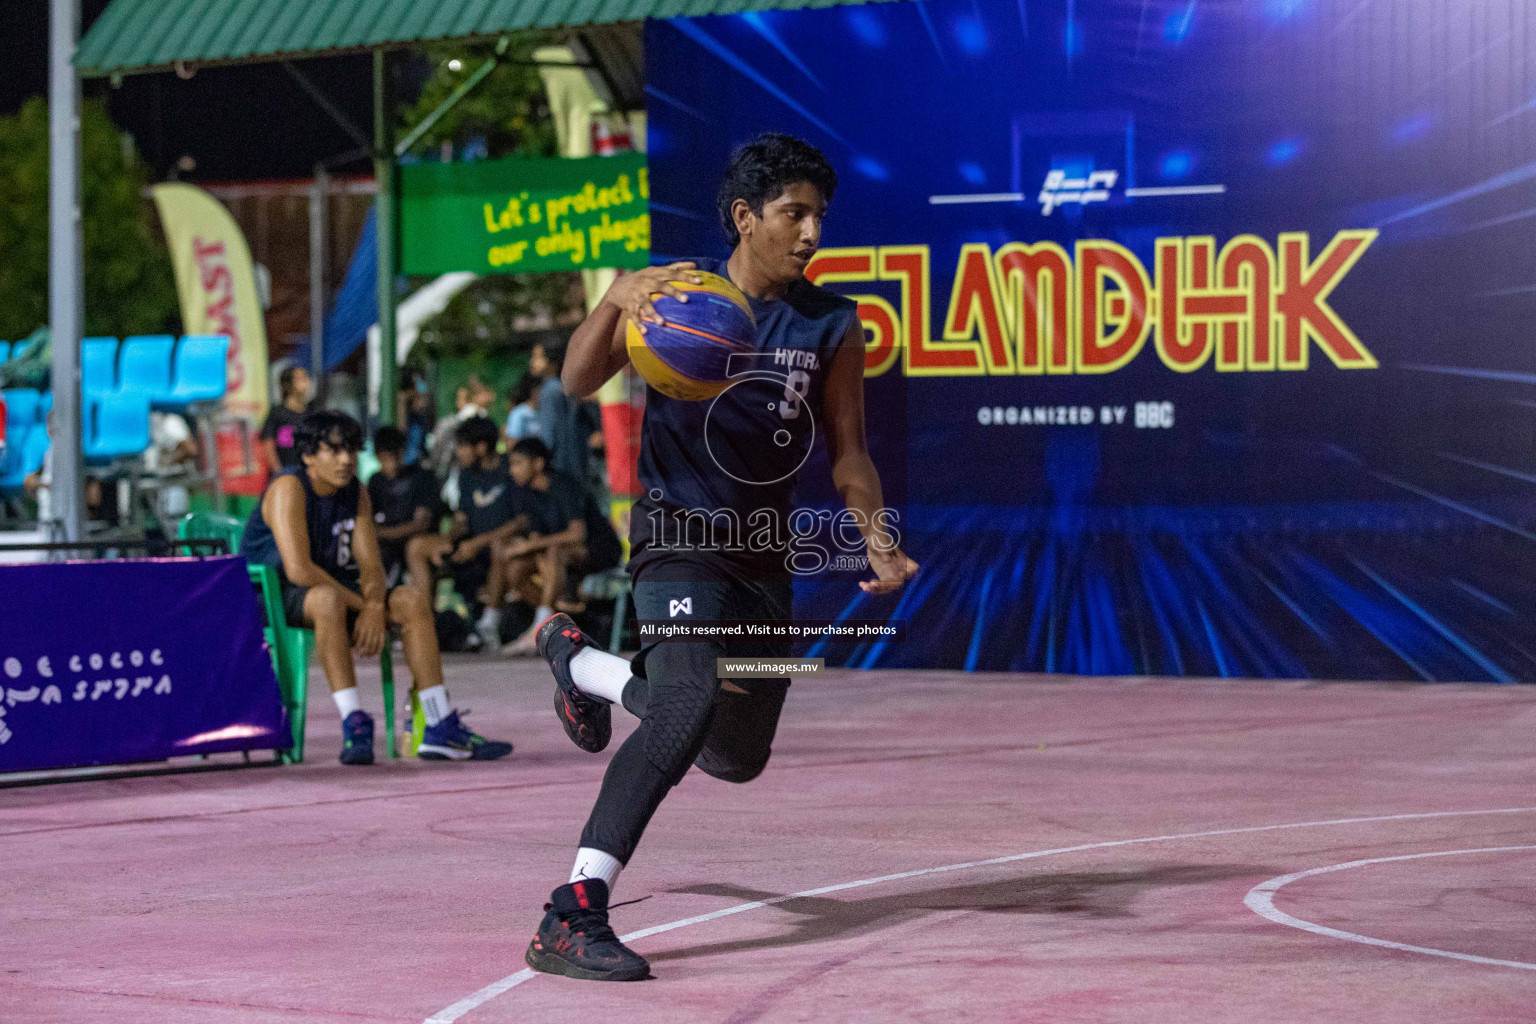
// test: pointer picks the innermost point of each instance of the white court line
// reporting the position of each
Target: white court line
(1261, 900)
(1176, 190)
(491, 991)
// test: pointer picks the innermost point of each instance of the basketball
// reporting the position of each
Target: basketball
(689, 356)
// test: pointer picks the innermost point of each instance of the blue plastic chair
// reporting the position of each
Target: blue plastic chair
(24, 451)
(5, 351)
(11, 474)
(117, 426)
(200, 370)
(144, 366)
(23, 407)
(98, 365)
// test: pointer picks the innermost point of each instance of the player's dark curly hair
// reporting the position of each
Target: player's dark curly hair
(327, 426)
(761, 170)
(477, 430)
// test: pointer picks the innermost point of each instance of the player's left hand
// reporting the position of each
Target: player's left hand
(368, 634)
(892, 567)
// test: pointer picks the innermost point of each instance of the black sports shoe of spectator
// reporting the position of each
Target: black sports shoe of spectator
(574, 938)
(588, 721)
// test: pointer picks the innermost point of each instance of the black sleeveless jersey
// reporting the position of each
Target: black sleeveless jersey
(329, 519)
(740, 453)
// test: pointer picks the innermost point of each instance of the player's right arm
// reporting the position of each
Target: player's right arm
(598, 349)
(283, 509)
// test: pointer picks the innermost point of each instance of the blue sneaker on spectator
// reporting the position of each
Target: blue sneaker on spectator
(450, 740)
(357, 739)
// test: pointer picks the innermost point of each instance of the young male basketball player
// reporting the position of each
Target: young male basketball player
(315, 526)
(736, 456)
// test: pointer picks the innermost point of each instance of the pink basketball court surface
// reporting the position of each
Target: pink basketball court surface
(923, 847)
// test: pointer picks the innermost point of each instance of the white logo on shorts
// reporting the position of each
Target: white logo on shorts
(685, 606)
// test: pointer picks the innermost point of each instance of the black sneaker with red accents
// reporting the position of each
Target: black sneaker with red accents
(588, 721)
(574, 938)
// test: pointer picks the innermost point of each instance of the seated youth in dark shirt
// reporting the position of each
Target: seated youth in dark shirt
(315, 526)
(487, 515)
(405, 501)
(568, 538)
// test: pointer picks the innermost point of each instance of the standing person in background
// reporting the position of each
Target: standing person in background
(523, 420)
(414, 414)
(561, 425)
(471, 400)
(589, 420)
(404, 501)
(278, 449)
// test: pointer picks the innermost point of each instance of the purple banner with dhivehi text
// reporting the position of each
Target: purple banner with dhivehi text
(131, 661)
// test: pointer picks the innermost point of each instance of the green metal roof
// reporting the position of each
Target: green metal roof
(153, 35)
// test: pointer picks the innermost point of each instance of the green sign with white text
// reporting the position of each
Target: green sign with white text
(516, 216)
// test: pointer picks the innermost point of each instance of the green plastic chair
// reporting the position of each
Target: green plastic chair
(290, 646)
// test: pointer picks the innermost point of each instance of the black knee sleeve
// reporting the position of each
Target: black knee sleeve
(681, 702)
(732, 771)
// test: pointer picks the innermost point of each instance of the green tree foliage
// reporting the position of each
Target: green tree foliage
(129, 287)
(508, 112)
(508, 109)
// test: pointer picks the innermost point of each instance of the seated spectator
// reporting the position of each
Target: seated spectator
(486, 514)
(171, 457)
(315, 526)
(404, 501)
(569, 536)
(523, 420)
(277, 446)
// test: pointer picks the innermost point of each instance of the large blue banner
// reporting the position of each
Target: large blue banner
(121, 662)
(1199, 332)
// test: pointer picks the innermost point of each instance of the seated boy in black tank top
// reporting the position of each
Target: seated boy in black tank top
(315, 526)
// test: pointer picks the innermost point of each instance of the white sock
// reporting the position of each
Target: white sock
(346, 701)
(541, 613)
(490, 620)
(434, 703)
(592, 863)
(600, 674)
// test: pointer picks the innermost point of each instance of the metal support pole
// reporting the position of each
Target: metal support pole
(318, 208)
(66, 273)
(384, 174)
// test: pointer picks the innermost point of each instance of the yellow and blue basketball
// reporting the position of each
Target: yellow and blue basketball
(689, 356)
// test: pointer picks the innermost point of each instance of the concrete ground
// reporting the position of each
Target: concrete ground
(1062, 850)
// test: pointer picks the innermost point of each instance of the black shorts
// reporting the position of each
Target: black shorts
(392, 554)
(468, 577)
(670, 599)
(293, 603)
